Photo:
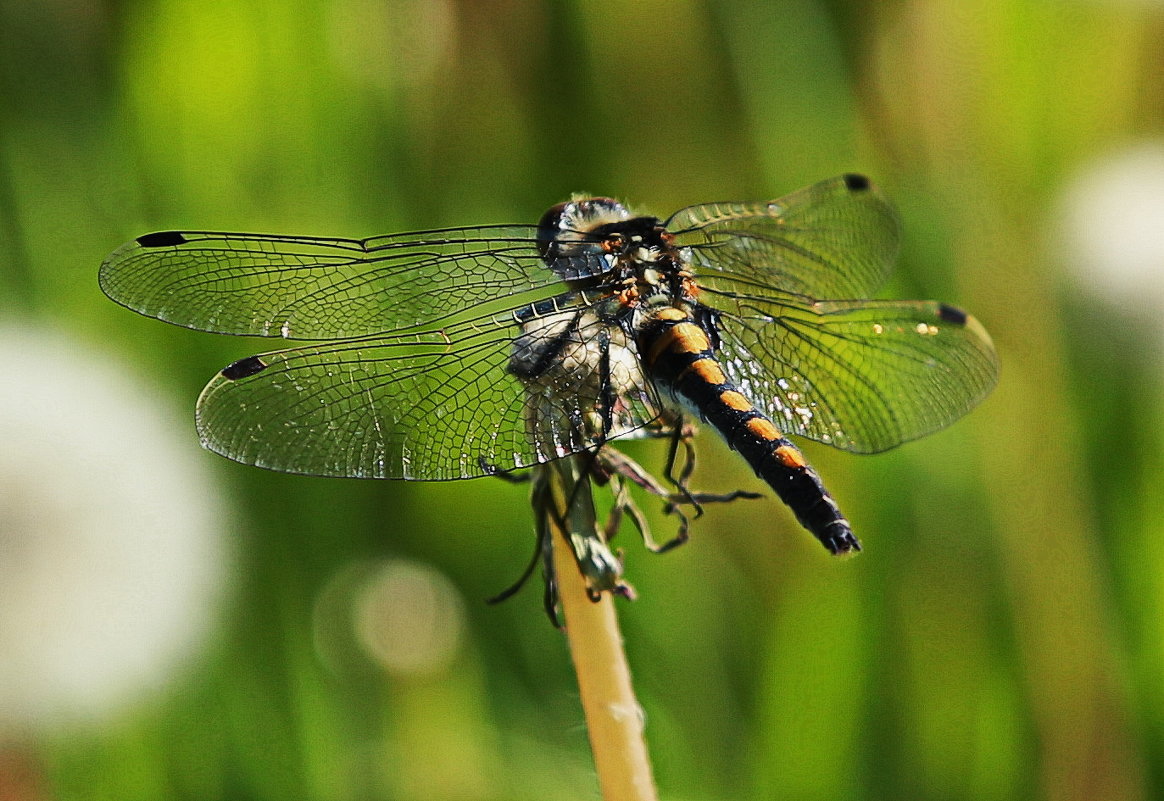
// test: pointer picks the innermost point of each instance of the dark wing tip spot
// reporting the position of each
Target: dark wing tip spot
(951, 314)
(162, 239)
(244, 368)
(855, 182)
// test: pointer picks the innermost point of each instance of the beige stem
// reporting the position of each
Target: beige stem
(614, 718)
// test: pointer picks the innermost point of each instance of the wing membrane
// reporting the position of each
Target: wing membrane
(863, 376)
(835, 239)
(317, 288)
(434, 405)
(455, 353)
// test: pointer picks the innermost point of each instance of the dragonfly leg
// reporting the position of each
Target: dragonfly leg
(620, 467)
(624, 505)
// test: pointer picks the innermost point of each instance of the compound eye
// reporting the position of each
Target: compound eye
(549, 228)
(567, 229)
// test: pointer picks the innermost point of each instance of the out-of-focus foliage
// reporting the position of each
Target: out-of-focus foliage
(1002, 635)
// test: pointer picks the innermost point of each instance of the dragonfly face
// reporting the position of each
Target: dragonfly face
(453, 353)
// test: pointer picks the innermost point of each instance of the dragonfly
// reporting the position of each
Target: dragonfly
(464, 352)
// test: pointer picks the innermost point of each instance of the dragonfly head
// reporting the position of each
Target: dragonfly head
(566, 233)
(587, 236)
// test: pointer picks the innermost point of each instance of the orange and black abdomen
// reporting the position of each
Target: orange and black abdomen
(679, 353)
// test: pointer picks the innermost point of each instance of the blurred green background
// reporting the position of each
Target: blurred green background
(1002, 635)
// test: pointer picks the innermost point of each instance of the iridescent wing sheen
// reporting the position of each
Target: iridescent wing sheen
(317, 288)
(432, 405)
(862, 376)
(835, 239)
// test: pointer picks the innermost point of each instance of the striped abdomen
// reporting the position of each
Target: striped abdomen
(678, 353)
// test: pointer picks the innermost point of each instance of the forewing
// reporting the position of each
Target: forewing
(317, 288)
(835, 239)
(863, 376)
(433, 406)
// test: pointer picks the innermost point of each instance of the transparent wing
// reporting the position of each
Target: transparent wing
(863, 376)
(835, 239)
(316, 288)
(432, 405)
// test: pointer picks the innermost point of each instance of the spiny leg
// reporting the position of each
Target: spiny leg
(683, 433)
(541, 552)
(673, 507)
(625, 504)
(618, 465)
(541, 549)
(695, 498)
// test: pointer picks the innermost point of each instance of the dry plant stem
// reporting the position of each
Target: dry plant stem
(614, 718)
